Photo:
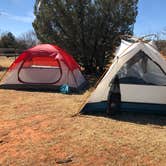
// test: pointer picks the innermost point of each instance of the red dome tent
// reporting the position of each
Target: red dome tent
(44, 66)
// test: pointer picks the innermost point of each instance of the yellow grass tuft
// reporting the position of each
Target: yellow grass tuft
(5, 63)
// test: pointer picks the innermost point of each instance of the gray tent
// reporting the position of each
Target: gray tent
(142, 77)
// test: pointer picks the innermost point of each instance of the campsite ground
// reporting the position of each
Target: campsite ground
(37, 128)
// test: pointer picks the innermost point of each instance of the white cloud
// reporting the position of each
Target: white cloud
(28, 18)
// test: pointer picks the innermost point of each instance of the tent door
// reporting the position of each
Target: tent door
(40, 69)
(114, 96)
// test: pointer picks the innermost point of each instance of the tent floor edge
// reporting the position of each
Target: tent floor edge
(145, 108)
(35, 87)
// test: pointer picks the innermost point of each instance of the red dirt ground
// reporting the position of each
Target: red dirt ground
(37, 128)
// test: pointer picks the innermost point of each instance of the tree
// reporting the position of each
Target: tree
(27, 40)
(161, 41)
(8, 40)
(85, 28)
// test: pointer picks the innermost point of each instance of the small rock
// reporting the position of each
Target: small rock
(63, 161)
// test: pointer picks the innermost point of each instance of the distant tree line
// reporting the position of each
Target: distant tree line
(9, 43)
(161, 44)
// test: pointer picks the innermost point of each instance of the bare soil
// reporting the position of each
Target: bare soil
(37, 128)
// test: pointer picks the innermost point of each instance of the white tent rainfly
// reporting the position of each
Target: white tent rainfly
(138, 75)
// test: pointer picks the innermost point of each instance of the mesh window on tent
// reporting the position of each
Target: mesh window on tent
(142, 70)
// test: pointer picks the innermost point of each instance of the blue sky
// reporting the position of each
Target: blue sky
(17, 16)
(151, 17)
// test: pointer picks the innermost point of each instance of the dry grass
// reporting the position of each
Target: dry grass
(5, 63)
(37, 128)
